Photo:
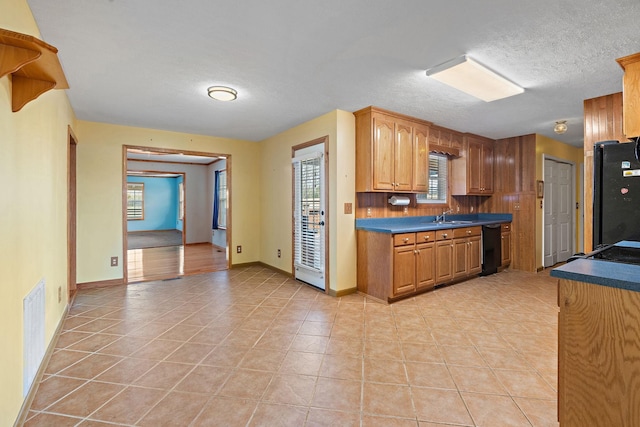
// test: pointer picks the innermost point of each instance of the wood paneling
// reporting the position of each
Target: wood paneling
(598, 355)
(603, 120)
(379, 207)
(514, 193)
(374, 272)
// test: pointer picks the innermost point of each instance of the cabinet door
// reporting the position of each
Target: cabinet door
(444, 260)
(421, 159)
(425, 266)
(474, 253)
(487, 169)
(460, 250)
(474, 167)
(505, 247)
(403, 165)
(383, 153)
(404, 269)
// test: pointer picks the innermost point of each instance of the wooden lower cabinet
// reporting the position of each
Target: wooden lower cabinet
(467, 251)
(394, 266)
(505, 245)
(444, 256)
(413, 262)
(425, 265)
(404, 270)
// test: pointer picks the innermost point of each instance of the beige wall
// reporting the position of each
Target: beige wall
(100, 175)
(33, 213)
(555, 149)
(276, 195)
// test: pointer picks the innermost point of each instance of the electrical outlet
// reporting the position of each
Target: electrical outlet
(239, 249)
(114, 261)
(405, 211)
(368, 212)
(279, 253)
(59, 294)
(348, 208)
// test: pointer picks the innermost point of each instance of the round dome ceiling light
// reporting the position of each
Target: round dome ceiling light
(560, 127)
(222, 93)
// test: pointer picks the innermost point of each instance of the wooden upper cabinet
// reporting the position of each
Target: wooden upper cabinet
(383, 153)
(403, 164)
(631, 94)
(445, 140)
(421, 157)
(391, 151)
(472, 172)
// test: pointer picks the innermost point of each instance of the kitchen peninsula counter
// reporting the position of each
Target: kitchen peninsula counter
(598, 343)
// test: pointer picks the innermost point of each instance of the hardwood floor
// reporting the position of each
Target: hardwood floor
(174, 261)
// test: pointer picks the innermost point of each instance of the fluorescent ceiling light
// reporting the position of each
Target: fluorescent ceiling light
(467, 75)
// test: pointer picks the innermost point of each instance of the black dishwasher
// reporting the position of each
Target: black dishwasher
(491, 248)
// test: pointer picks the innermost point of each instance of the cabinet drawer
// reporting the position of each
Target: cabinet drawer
(444, 234)
(506, 227)
(466, 232)
(404, 239)
(425, 236)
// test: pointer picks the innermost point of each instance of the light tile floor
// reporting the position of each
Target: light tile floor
(252, 347)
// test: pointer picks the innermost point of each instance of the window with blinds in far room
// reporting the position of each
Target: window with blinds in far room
(135, 200)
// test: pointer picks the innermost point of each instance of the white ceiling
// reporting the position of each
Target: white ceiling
(148, 63)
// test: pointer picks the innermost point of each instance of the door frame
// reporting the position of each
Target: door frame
(228, 157)
(324, 141)
(184, 220)
(72, 212)
(546, 157)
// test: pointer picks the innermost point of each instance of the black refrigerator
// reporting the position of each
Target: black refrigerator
(616, 192)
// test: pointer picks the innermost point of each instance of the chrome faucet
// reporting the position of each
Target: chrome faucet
(443, 217)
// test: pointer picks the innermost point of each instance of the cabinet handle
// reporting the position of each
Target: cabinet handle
(426, 237)
(406, 239)
(468, 231)
(444, 235)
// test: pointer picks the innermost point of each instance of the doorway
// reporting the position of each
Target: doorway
(558, 221)
(71, 214)
(174, 187)
(309, 208)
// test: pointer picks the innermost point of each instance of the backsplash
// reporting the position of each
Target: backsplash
(376, 205)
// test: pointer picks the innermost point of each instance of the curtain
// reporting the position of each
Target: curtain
(216, 199)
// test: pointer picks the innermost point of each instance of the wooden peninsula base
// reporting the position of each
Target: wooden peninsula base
(598, 355)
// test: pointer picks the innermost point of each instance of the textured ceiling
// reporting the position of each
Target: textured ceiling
(148, 63)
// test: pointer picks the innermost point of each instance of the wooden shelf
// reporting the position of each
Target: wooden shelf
(33, 65)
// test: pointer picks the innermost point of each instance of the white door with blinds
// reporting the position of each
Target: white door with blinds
(309, 215)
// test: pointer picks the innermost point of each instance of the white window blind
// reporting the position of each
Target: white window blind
(135, 200)
(437, 180)
(308, 212)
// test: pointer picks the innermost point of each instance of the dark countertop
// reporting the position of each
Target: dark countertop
(605, 273)
(412, 224)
